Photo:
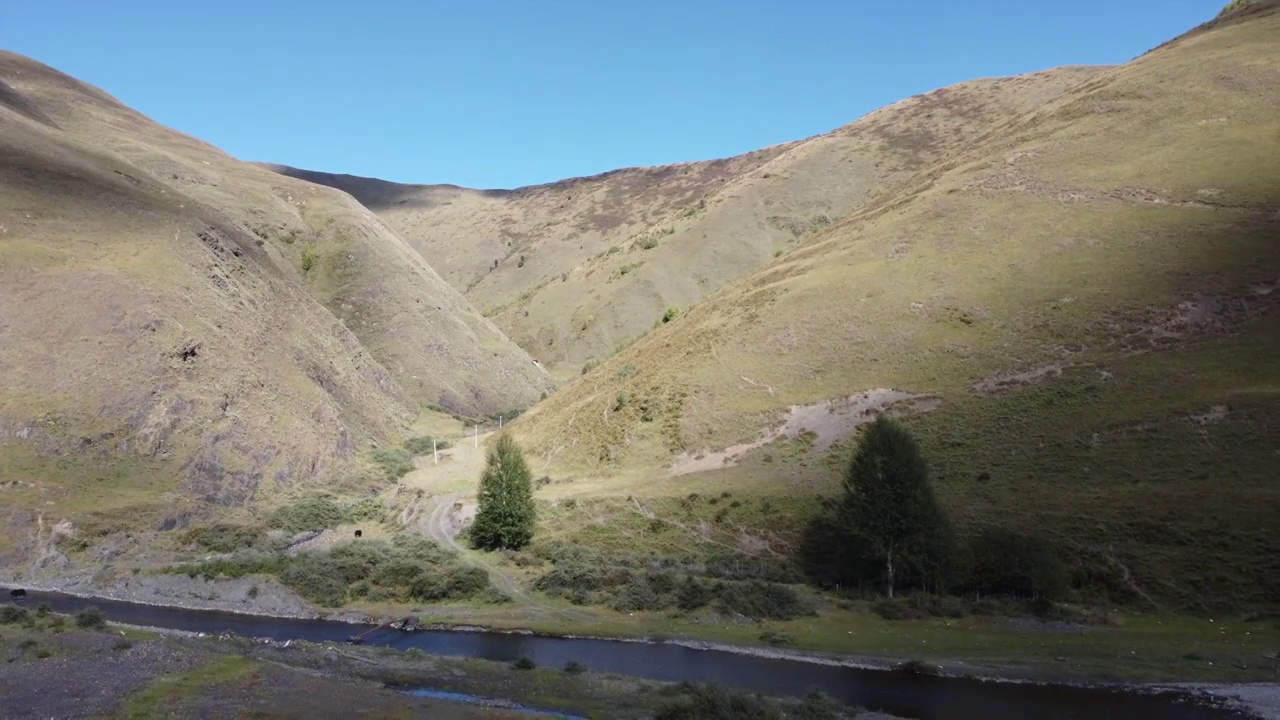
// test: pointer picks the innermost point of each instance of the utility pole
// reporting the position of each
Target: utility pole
(499, 422)
(475, 436)
(435, 453)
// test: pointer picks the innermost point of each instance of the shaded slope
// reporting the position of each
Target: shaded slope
(1090, 291)
(571, 270)
(181, 326)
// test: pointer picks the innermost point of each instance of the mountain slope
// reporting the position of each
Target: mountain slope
(1084, 301)
(572, 269)
(183, 326)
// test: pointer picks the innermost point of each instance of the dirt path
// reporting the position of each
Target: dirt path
(446, 506)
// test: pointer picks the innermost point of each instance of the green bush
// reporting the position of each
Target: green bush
(226, 537)
(423, 445)
(396, 463)
(11, 614)
(315, 513)
(91, 617)
(693, 594)
(1005, 562)
(524, 663)
(758, 599)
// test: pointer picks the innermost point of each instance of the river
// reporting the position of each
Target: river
(921, 697)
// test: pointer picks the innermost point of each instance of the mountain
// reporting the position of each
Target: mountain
(1074, 307)
(180, 327)
(574, 269)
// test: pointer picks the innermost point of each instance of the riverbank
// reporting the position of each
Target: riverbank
(990, 672)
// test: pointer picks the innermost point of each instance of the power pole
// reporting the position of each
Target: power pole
(435, 454)
(475, 436)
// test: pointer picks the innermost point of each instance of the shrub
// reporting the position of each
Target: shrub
(573, 667)
(423, 445)
(1007, 562)
(308, 259)
(10, 614)
(396, 463)
(693, 594)
(524, 663)
(757, 599)
(226, 537)
(315, 513)
(91, 617)
(711, 702)
(43, 609)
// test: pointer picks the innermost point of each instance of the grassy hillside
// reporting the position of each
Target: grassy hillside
(1084, 297)
(574, 269)
(181, 327)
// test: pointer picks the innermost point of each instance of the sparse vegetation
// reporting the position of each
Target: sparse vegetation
(395, 462)
(91, 618)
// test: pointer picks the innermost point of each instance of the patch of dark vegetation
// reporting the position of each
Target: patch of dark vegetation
(887, 533)
(425, 445)
(12, 614)
(320, 512)
(91, 618)
(409, 568)
(226, 537)
(631, 584)
(395, 462)
(694, 701)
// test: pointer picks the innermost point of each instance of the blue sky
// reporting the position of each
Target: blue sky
(502, 93)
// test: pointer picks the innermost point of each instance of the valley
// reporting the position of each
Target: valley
(239, 385)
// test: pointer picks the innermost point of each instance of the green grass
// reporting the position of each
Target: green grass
(169, 692)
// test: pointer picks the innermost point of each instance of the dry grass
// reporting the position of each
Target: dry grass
(576, 269)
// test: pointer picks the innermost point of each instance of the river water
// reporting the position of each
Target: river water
(925, 698)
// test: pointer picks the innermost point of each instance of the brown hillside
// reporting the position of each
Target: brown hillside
(572, 269)
(195, 327)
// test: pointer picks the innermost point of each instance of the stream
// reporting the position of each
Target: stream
(920, 697)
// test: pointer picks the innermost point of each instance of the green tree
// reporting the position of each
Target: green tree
(506, 515)
(889, 510)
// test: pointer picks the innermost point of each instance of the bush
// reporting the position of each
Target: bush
(226, 537)
(396, 463)
(524, 663)
(91, 617)
(757, 599)
(423, 445)
(11, 614)
(573, 667)
(693, 594)
(316, 513)
(711, 702)
(1010, 563)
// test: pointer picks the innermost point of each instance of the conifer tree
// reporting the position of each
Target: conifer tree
(506, 516)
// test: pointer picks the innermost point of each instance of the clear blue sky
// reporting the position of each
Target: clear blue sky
(501, 93)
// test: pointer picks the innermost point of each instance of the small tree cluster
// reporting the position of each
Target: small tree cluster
(506, 515)
(889, 530)
(887, 527)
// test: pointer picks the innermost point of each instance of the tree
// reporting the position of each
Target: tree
(506, 515)
(889, 510)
